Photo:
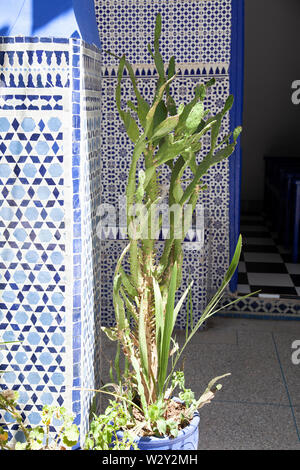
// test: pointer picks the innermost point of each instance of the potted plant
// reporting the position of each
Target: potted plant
(144, 294)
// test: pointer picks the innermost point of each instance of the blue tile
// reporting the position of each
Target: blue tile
(76, 230)
(61, 40)
(76, 246)
(76, 84)
(76, 122)
(77, 272)
(76, 108)
(75, 97)
(76, 60)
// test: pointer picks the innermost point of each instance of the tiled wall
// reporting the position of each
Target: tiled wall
(198, 33)
(49, 186)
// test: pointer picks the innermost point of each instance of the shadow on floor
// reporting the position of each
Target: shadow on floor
(259, 405)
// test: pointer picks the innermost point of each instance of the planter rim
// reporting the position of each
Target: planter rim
(152, 441)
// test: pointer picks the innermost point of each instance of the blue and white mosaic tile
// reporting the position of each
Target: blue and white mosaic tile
(49, 190)
(198, 34)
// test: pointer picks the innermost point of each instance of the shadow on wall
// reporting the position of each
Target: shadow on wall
(58, 18)
(45, 12)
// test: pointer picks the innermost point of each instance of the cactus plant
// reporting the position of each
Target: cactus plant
(144, 296)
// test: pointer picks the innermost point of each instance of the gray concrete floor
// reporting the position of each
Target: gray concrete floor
(259, 404)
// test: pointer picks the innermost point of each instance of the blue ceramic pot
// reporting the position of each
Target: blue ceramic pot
(187, 439)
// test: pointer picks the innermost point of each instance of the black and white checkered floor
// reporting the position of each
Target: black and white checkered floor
(265, 264)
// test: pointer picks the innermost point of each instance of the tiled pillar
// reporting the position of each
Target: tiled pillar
(49, 194)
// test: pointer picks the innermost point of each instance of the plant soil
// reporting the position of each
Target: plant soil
(174, 411)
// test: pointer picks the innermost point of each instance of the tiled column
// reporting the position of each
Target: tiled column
(49, 194)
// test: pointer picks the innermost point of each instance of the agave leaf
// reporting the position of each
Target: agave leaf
(180, 302)
(201, 170)
(118, 303)
(209, 310)
(111, 333)
(215, 133)
(237, 132)
(215, 380)
(230, 272)
(130, 124)
(139, 148)
(209, 394)
(195, 117)
(130, 289)
(160, 115)
(171, 105)
(168, 329)
(159, 317)
(150, 115)
(224, 153)
(170, 151)
(165, 127)
(143, 106)
(187, 109)
(130, 308)
(157, 55)
(131, 106)
(136, 366)
(228, 104)
(142, 336)
(210, 83)
(157, 31)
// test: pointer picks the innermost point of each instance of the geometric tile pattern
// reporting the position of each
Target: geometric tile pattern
(199, 35)
(195, 32)
(266, 264)
(48, 253)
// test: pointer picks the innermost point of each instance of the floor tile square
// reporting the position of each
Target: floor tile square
(242, 278)
(256, 234)
(241, 426)
(260, 248)
(265, 268)
(296, 279)
(277, 290)
(293, 268)
(242, 267)
(262, 257)
(243, 289)
(270, 279)
(244, 228)
(258, 241)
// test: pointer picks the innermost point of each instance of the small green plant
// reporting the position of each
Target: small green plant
(39, 437)
(103, 430)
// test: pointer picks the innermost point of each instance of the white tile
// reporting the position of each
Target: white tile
(258, 241)
(293, 268)
(269, 296)
(270, 279)
(243, 289)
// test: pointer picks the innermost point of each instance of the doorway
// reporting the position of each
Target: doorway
(269, 263)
